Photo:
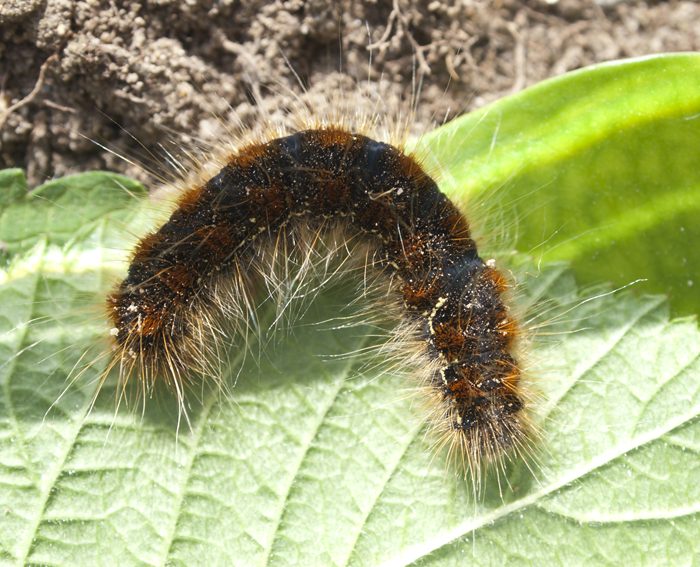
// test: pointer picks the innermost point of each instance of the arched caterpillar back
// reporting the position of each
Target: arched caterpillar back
(330, 177)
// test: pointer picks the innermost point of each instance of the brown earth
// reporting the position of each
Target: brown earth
(130, 74)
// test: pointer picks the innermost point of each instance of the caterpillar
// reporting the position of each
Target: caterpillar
(191, 273)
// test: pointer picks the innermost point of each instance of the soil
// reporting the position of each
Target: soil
(128, 74)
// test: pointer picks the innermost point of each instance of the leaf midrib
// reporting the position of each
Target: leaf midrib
(414, 553)
(673, 513)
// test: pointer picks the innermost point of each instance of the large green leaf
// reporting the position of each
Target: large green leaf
(600, 167)
(318, 459)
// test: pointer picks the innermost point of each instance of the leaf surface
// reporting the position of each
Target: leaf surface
(598, 167)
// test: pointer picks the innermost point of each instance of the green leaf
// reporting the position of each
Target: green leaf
(60, 210)
(598, 167)
(315, 457)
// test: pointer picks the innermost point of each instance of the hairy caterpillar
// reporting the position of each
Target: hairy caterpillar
(192, 272)
(581, 418)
